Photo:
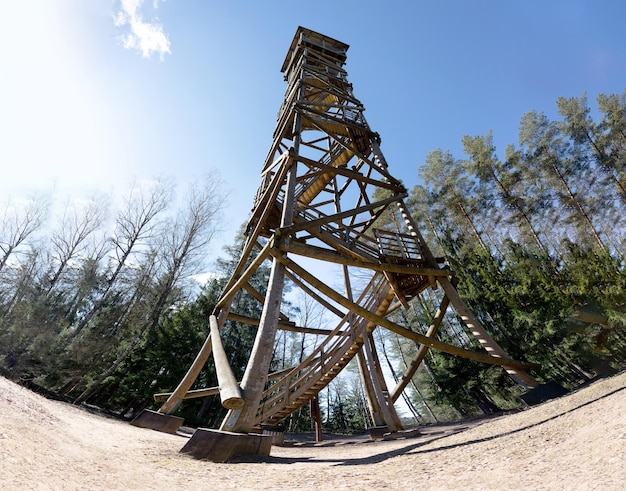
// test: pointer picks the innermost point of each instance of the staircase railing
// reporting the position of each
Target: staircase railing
(317, 370)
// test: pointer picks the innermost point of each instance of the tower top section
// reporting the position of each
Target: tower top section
(306, 38)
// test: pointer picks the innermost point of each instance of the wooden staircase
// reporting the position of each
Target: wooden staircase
(305, 381)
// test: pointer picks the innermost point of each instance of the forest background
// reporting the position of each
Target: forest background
(100, 304)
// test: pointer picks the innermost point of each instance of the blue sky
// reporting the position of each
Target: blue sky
(94, 94)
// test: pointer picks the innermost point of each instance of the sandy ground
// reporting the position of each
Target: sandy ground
(576, 442)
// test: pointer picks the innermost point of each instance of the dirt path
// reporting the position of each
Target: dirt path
(576, 442)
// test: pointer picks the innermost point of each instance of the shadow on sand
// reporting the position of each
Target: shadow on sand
(429, 435)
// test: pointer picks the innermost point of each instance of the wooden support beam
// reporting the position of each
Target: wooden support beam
(372, 401)
(339, 216)
(374, 372)
(175, 398)
(262, 210)
(322, 301)
(256, 294)
(387, 324)
(240, 281)
(421, 352)
(230, 393)
(191, 394)
(283, 325)
(315, 252)
(212, 391)
(350, 174)
(517, 373)
(255, 375)
(317, 418)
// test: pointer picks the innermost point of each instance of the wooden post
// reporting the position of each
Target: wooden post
(372, 401)
(388, 413)
(317, 419)
(230, 393)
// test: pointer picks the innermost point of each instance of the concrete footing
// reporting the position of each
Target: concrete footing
(383, 433)
(399, 435)
(224, 446)
(276, 432)
(543, 392)
(157, 421)
(378, 432)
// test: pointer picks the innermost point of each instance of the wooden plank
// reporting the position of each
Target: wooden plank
(316, 252)
(191, 394)
(283, 325)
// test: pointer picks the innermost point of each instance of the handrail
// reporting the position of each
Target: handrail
(323, 363)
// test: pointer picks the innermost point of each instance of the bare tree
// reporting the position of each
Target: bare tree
(135, 226)
(182, 250)
(70, 239)
(19, 220)
(17, 282)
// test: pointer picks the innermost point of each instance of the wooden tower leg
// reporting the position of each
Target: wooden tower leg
(255, 376)
(421, 352)
(389, 417)
(372, 401)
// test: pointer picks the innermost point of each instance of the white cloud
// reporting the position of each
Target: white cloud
(146, 37)
(203, 278)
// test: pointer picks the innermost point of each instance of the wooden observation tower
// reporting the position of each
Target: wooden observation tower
(327, 197)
